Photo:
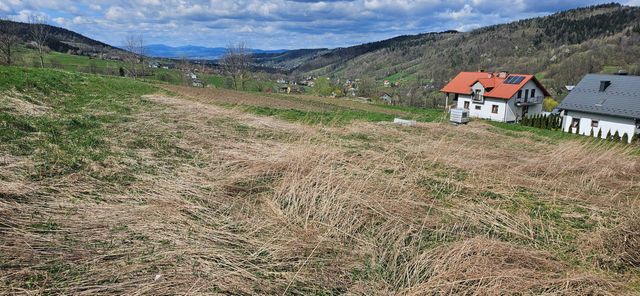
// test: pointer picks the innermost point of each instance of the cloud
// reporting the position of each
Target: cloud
(273, 24)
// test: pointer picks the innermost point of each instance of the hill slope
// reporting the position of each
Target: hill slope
(109, 186)
(60, 39)
(559, 48)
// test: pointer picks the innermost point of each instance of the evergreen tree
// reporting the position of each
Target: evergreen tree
(616, 137)
(600, 134)
(625, 138)
(609, 137)
(591, 134)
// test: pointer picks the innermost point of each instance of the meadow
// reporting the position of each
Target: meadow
(115, 186)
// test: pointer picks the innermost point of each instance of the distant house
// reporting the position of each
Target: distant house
(603, 104)
(197, 83)
(385, 97)
(496, 96)
(386, 83)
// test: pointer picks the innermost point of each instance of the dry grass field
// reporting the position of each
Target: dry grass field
(182, 195)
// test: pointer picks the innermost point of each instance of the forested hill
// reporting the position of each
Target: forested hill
(60, 39)
(559, 49)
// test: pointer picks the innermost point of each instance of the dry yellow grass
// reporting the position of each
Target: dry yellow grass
(223, 202)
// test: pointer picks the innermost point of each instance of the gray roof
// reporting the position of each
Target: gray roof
(621, 98)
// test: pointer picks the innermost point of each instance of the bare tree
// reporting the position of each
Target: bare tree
(39, 31)
(8, 40)
(134, 45)
(236, 63)
(185, 68)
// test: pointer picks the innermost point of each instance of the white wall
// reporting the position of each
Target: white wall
(606, 123)
(485, 109)
(507, 110)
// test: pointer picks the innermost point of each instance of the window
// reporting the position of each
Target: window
(466, 104)
(494, 109)
(595, 123)
(533, 93)
(477, 96)
(478, 107)
(526, 94)
(520, 94)
(575, 122)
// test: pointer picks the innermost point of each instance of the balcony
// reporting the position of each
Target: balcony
(529, 101)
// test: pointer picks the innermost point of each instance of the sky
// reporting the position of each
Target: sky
(277, 24)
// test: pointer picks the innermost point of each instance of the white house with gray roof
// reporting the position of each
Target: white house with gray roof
(606, 103)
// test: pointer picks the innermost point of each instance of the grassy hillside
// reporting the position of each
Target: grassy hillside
(560, 49)
(113, 186)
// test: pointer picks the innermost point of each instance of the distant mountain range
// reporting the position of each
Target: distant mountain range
(195, 52)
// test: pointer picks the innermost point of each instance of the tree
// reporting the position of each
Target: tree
(185, 68)
(367, 87)
(600, 134)
(323, 86)
(8, 41)
(236, 63)
(549, 104)
(616, 137)
(134, 45)
(609, 137)
(625, 138)
(39, 32)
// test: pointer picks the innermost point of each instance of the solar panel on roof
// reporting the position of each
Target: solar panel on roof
(514, 79)
(518, 79)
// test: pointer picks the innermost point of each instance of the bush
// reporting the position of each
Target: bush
(616, 137)
(609, 137)
(549, 104)
(600, 134)
(625, 138)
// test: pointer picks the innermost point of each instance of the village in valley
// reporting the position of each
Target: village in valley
(319, 148)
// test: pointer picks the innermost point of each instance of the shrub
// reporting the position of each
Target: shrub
(609, 137)
(616, 137)
(625, 138)
(549, 104)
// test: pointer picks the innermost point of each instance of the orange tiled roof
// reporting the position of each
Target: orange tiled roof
(493, 83)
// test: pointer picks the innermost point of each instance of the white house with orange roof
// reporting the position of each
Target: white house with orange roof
(497, 96)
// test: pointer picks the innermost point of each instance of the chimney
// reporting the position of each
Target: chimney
(604, 85)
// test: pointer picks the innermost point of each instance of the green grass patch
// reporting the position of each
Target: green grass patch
(339, 117)
(75, 132)
(523, 131)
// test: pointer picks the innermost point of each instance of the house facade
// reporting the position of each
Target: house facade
(496, 96)
(601, 104)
